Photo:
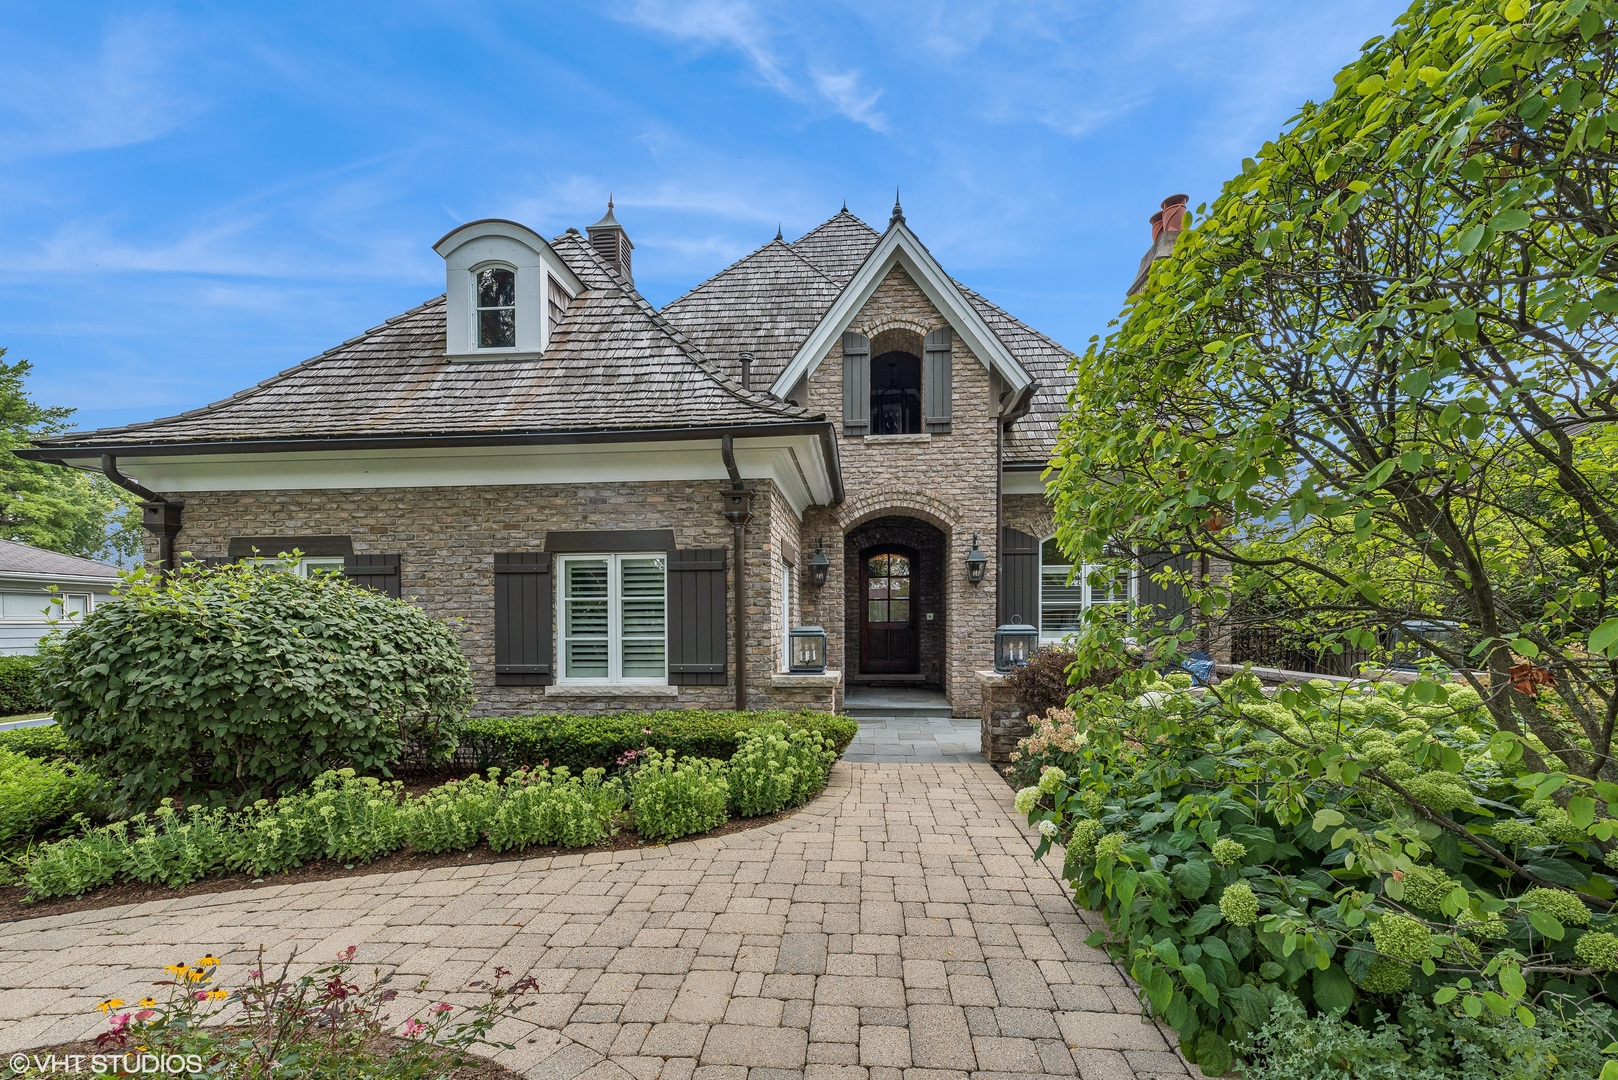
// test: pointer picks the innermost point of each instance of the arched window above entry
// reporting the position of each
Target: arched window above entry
(896, 394)
(497, 308)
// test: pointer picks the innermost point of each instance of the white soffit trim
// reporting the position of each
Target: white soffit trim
(900, 246)
(796, 463)
(1022, 482)
(45, 581)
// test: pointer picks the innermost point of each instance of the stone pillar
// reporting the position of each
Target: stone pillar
(1005, 722)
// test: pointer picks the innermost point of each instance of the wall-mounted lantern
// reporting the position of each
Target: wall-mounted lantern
(977, 563)
(807, 650)
(1014, 643)
(818, 565)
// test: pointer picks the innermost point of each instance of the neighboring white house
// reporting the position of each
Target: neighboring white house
(26, 601)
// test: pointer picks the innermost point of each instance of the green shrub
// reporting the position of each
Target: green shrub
(615, 740)
(35, 794)
(676, 798)
(555, 807)
(778, 766)
(452, 816)
(236, 683)
(1328, 843)
(1423, 1042)
(78, 865)
(340, 816)
(42, 741)
(19, 686)
(176, 848)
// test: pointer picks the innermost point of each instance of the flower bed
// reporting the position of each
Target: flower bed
(1367, 868)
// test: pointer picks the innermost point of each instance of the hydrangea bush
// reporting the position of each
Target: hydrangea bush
(1345, 846)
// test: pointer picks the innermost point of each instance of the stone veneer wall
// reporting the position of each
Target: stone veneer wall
(947, 479)
(447, 537)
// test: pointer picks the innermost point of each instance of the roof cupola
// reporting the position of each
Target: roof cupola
(612, 243)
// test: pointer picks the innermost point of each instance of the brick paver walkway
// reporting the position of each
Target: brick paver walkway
(895, 929)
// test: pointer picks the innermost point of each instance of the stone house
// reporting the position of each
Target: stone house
(621, 507)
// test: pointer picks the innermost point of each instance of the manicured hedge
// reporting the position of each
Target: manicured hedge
(19, 686)
(43, 741)
(603, 742)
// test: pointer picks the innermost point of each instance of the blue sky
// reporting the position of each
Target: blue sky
(193, 197)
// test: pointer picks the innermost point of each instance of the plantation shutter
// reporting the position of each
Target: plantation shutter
(1170, 598)
(937, 379)
(696, 614)
(1019, 577)
(522, 618)
(379, 572)
(856, 383)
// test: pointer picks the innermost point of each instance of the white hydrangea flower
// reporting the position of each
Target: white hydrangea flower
(1026, 800)
(1153, 699)
(1048, 829)
(1051, 779)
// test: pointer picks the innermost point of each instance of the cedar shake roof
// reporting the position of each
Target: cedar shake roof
(770, 301)
(18, 559)
(614, 364)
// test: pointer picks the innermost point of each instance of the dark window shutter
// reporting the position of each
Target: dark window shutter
(379, 572)
(1171, 598)
(937, 379)
(696, 614)
(856, 383)
(1019, 576)
(522, 619)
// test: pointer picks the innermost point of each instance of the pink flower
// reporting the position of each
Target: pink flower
(413, 1028)
(441, 1007)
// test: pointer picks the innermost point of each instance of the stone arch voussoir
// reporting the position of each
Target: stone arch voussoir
(917, 504)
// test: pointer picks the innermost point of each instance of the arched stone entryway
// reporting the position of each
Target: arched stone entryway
(894, 617)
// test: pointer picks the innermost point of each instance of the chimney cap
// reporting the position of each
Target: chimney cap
(1175, 200)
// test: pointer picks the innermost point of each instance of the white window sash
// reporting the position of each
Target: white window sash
(615, 620)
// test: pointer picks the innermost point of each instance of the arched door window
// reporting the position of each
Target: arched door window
(497, 308)
(896, 394)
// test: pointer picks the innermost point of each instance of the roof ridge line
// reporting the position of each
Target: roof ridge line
(692, 352)
(973, 294)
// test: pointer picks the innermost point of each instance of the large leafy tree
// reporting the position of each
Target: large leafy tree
(1377, 374)
(49, 506)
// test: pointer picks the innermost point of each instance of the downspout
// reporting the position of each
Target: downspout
(738, 511)
(159, 516)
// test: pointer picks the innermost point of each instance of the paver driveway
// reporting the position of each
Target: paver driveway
(897, 927)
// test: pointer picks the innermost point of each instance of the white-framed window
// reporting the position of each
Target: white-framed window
(1064, 596)
(786, 616)
(304, 566)
(612, 614)
(39, 606)
(495, 307)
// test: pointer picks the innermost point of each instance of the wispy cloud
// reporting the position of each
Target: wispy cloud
(126, 92)
(773, 45)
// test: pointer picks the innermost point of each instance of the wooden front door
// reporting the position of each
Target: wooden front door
(889, 642)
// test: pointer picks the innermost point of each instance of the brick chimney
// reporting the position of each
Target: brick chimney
(612, 243)
(1167, 224)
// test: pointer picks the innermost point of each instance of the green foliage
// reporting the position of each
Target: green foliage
(19, 685)
(236, 683)
(1423, 1042)
(1242, 846)
(453, 816)
(49, 506)
(778, 766)
(676, 798)
(602, 742)
(35, 795)
(1385, 354)
(554, 807)
(45, 741)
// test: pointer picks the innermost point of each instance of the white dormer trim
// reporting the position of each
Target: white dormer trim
(900, 247)
(478, 245)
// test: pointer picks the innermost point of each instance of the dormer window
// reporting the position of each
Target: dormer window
(497, 308)
(501, 280)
